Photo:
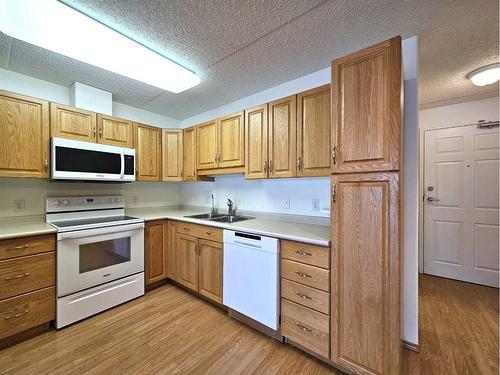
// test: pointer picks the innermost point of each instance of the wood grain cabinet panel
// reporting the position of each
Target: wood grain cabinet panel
(17, 247)
(306, 296)
(305, 274)
(189, 154)
(367, 109)
(256, 142)
(313, 132)
(365, 282)
(155, 252)
(210, 269)
(115, 131)
(187, 260)
(24, 136)
(283, 137)
(231, 152)
(72, 123)
(306, 253)
(172, 155)
(148, 153)
(171, 228)
(207, 145)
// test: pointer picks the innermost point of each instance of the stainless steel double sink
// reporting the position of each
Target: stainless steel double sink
(220, 218)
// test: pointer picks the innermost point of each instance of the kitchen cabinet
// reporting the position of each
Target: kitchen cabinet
(148, 152)
(256, 146)
(172, 155)
(24, 136)
(115, 131)
(189, 154)
(207, 145)
(313, 132)
(170, 235)
(186, 253)
(365, 284)
(155, 251)
(210, 269)
(72, 123)
(367, 109)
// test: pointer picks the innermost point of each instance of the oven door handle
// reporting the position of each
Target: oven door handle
(99, 231)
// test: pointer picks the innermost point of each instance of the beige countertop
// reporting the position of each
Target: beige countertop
(24, 226)
(290, 230)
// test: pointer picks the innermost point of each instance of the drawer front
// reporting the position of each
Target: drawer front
(304, 274)
(318, 256)
(26, 311)
(21, 275)
(306, 296)
(306, 327)
(200, 231)
(17, 247)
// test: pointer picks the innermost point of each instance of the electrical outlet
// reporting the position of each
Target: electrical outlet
(19, 205)
(135, 199)
(315, 204)
(286, 204)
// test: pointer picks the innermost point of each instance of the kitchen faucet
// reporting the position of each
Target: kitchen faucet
(230, 210)
(213, 210)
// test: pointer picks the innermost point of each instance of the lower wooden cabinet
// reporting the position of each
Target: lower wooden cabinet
(155, 251)
(210, 269)
(186, 254)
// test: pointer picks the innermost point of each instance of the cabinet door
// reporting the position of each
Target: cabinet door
(256, 132)
(187, 260)
(171, 155)
(115, 131)
(365, 282)
(171, 229)
(189, 154)
(210, 270)
(73, 123)
(155, 257)
(148, 153)
(366, 109)
(231, 141)
(283, 137)
(313, 132)
(207, 145)
(24, 136)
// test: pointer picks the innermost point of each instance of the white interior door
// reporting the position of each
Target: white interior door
(461, 223)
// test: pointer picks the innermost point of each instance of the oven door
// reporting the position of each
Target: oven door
(90, 257)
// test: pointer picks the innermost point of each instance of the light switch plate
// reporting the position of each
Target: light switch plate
(315, 204)
(286, 204)
(19, 205)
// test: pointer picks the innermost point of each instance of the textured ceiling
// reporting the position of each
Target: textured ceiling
(240, 47)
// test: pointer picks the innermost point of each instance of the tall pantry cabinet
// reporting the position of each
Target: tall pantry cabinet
(366, 225)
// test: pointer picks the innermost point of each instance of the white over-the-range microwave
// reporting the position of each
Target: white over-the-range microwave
(86, 161)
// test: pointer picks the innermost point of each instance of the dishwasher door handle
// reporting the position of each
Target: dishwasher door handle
(250, 244)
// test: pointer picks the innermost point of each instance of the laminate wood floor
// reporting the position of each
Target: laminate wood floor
(170, 331)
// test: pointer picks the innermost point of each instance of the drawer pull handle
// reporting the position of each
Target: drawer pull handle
(300, 252)
(303, 328)
(17, 315)
(22, 276)
(302, 274)
(209, 233)
(186, 229)
(20, 247)
(303, 296)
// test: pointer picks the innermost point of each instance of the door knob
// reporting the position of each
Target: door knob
(432, 199)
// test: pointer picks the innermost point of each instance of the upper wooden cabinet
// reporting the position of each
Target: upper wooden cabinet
(282, 137)
(115, 131)
(207, 145)
(148, 153)
(189, 154)
(231, 132)
(256, 134)
(365, 282)
(24, 136)
(313, 132)
(172, 155)
(367, 109)
(73, 123)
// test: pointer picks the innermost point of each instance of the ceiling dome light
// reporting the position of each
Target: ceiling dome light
(486, 75)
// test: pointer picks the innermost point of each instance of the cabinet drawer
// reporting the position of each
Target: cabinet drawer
(310, 254)
(17, 247)
(305, 274)
(306, 327)
(200, 231)
(26, 311)
(306, 296)
(21, 275)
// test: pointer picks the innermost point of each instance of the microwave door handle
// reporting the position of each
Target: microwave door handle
(122, 164)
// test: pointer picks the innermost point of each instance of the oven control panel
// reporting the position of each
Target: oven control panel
(60, 204)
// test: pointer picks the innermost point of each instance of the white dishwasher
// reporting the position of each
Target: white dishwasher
(251, 276)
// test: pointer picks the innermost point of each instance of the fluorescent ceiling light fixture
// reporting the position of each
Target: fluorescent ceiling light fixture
(55, 26)
(486, 75)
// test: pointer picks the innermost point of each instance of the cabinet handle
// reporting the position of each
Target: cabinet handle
(334, 194)
(22, 276)
(186, 229)
(100, 133)
(303, 328)
(271, 166)
(45, 163)
(194, 172)
(302, 274)
(303, 296)
(20, 247)
(7, 317)
(265, 166)
(300, 252)
(334, 154)
(215, 158)
(299, 163)
(209, 233)
(94, 132)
